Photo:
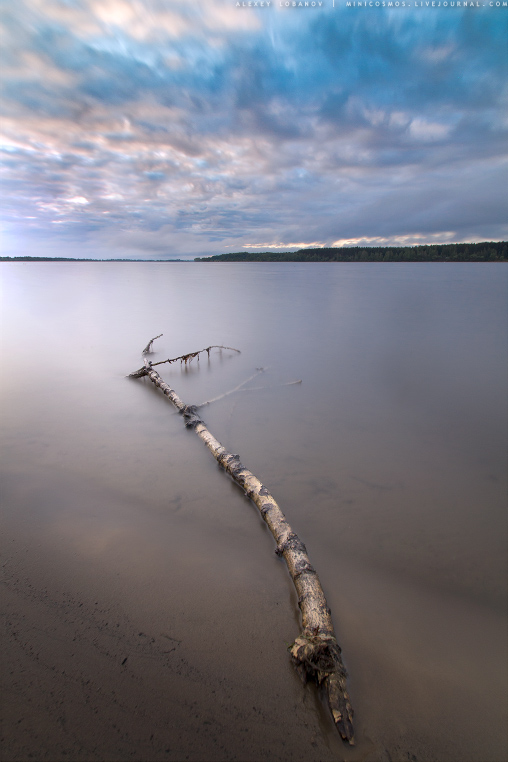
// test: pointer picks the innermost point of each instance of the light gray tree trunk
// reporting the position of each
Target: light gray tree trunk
(315, 652)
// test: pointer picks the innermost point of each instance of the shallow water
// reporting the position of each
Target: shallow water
(389, 460)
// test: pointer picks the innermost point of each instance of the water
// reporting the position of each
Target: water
(389, 460)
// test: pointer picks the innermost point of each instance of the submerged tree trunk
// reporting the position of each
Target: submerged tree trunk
(315, 652)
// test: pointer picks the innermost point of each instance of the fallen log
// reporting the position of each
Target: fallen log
(315, 652)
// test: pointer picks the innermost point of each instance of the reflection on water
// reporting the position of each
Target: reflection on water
(389, 460)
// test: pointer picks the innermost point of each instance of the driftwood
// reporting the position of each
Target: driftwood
(315, 652)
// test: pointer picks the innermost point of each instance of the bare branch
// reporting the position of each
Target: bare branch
(140, 372)
(188, 358)
(240, 388)
(148, 347)
(260, 388)
(232, 391)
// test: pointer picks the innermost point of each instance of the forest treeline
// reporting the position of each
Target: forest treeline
(489, 251)
(450, 252)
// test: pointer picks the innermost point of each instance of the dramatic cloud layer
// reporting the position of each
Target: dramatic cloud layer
(184, 128)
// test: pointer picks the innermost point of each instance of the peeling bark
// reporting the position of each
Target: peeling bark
(315, 652)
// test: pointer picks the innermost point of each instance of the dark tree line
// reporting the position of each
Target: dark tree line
(449, 252)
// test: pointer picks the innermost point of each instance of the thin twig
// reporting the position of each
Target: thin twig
(260, 388)
(232, 391)
(250, 389)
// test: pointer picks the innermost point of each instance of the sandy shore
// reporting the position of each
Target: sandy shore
(82, 683)
(86, 678)
(132, 636)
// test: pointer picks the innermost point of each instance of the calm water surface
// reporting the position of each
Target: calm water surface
(389, 460)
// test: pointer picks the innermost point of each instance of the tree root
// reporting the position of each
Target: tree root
(318, 658)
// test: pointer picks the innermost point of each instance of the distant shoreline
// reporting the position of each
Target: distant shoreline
(75, 259)
(488, 251)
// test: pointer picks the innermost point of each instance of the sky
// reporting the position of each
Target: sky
(176, 129)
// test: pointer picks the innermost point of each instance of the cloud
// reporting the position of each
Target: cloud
(292, 245)
(144, 127)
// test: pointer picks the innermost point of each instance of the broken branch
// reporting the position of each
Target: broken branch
(148, 347)
(183, 358)
(191, 355)
(315, 652)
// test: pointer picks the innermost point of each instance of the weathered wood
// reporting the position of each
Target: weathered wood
(315, 652)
